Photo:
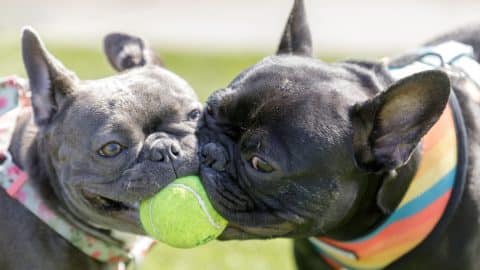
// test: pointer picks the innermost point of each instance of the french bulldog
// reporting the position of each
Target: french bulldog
(295, 147)
(94, 149)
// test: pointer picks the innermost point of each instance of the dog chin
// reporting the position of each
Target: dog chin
(105, 213)
(235, 232)
(126, 220)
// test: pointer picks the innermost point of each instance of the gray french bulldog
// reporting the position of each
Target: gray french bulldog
(94, 149)
(296, 147)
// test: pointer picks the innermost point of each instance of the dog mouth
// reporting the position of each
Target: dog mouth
(236, 232)
(248, 218)
(229, 191)
(239, 232)
(106, 204)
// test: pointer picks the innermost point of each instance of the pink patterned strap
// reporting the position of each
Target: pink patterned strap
(18, 177)
(13, 99)
(16, 183)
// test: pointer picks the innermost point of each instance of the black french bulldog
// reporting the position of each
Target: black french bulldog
(94, 149)
(295, 147)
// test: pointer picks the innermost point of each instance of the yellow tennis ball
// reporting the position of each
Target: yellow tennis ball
(181, 215)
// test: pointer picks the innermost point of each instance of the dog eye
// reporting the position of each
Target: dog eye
(110, 149)
(194, 115)
(261, 165)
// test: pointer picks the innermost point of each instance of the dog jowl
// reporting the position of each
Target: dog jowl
(295, 147)
(96, 148)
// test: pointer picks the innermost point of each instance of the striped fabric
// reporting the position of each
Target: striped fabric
(419, 211)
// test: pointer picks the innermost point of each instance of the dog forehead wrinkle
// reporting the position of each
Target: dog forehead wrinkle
(148, 80)
(267, 65)
(137, 102)
(104, 95)
(162, 79)
(275, 71)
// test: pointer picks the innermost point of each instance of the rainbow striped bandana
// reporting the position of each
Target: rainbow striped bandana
(437, 185)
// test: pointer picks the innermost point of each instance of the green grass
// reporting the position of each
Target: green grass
(258, 255)
(205, 72)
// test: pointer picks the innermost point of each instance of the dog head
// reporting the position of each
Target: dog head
(296, 147)
(107, 144)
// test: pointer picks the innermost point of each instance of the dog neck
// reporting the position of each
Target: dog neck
(425, 208)
(367, 214)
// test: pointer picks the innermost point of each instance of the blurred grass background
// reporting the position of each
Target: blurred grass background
(206, 73)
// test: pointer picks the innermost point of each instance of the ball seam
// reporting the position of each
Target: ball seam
(150, 210)
(200, 202)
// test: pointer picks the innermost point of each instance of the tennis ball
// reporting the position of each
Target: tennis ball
(181, 215)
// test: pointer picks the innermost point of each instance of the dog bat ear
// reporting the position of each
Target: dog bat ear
(388, 127)
(296, 38)
(50, 82)
(126, 51)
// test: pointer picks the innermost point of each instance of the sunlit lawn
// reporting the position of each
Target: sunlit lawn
(206, 72)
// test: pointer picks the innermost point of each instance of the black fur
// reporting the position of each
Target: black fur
(295, 147)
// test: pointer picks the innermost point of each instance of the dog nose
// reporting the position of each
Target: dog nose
(214, 156)
(163, 150)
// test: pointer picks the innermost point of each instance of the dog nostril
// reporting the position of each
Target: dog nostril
(174, 150)
(157, 156)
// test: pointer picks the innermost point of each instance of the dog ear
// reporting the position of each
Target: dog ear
(126, 51)
(296, 38)
(388, 127)
(50, 82)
